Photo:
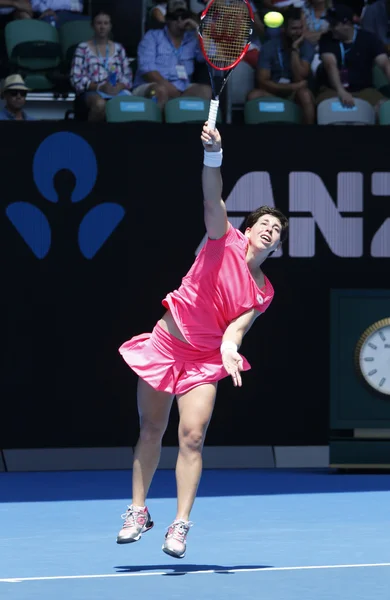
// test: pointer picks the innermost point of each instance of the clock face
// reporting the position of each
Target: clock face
(373, 356)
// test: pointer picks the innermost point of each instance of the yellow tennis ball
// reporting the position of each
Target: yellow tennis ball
(273, 19)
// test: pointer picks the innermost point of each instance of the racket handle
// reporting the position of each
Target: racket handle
(213, 112)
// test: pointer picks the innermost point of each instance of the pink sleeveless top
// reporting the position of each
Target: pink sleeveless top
(216, 290)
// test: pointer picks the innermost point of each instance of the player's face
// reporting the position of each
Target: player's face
(265, 233)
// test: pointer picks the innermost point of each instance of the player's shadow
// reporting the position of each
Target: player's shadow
(184, 569)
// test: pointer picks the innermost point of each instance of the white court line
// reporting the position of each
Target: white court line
(172, 571)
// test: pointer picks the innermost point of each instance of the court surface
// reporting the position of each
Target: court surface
(258, 534)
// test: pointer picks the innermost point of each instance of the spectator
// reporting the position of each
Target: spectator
(375, 18)
(284, 66)
(100, 69)
(58, 12)
(14, 91)
(166, 58)
(14, 9)
(315, 25)
(158, 12)
(348, 55)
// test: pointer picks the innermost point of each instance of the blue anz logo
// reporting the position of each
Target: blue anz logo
(71, 152)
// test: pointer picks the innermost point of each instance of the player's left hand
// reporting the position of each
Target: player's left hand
(233, 363)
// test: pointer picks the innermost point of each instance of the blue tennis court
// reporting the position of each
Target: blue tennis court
(285, 535)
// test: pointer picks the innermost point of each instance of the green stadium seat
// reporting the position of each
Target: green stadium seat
(271, 109)
(188, 109)
(132, 108)
(32, 45)
(380, 80)
(71, 35)
(384, 113)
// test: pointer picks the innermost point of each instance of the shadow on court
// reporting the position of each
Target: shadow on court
(112, 485)
(183, 569)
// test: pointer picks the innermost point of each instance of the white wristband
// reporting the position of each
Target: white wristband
(212, 159)
(228, 346)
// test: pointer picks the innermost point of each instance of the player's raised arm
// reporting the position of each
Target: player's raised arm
(215, 216)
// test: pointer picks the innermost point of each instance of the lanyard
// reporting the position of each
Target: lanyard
(105, 62)
(343, 51)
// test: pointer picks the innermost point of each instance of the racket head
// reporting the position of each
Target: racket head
(225, 32)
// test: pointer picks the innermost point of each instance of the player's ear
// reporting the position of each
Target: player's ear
(247, 231)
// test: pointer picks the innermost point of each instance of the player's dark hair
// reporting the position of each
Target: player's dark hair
(254, 216)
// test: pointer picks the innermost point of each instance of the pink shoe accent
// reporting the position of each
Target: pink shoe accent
(176, 538)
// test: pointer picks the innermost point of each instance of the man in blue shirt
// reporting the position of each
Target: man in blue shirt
(284, 66)
(14, 92)
(166, 58)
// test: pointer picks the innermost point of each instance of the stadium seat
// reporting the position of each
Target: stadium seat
(132, 108)
(71, 35)
(384, 113)
(32, 45)
(188, 109)
(271, 109)
(332, 112)
(380, 80)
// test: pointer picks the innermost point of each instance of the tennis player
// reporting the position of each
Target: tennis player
(195, 344)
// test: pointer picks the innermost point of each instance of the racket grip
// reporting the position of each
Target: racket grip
(213, 112)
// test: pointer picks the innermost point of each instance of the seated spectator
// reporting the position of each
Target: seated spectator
(166, 58)
(315, 25)
(315, 21)
(284, 66)
(348, 55)
(375, 18)
(14, 92)
(159, 11)
(14, 9)
(58, 12)
(100, 69)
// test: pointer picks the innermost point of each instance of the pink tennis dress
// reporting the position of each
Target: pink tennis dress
(217, 289)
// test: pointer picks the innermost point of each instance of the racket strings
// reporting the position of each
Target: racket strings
(226, 30)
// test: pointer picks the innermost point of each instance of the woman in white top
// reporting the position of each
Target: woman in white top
(315, 23)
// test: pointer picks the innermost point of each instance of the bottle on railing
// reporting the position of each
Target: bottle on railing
(113, 76)
(153, 96)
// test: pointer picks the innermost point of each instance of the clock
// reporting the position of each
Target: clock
(372, 356)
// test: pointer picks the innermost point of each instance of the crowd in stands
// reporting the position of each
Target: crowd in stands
(323, 50)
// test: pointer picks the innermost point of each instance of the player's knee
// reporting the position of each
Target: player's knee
(152, 431)
(192, 439)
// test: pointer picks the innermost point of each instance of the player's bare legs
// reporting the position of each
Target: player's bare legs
(195, 410)
(153, 408)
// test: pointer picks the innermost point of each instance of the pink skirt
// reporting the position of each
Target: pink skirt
(170, 365)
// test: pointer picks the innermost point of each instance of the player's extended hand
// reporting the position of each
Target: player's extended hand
(233, 364)
(214, 136)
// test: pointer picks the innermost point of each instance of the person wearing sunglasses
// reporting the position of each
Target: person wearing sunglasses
(14, 92)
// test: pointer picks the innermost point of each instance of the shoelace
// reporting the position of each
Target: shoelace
(179, 529)
(130, 517)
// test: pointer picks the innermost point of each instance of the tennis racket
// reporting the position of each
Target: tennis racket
(225, 33)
